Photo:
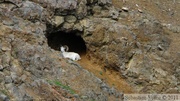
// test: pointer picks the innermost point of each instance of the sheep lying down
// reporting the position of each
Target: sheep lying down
(71, 55)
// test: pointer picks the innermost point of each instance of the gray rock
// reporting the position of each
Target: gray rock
(114, 13)
(16, 2)
(31, 11)
(104, 2)
(123, 14)
(172, 90)
(1, 67)
(9, 87)
(19, 92)
(70, 19)
(125, 9)
(91, 1)
(85, 23)
(15, 78)
(104, 87)
(23, 77)
(84, 97)
(78, 27)
(8, 23)
(1, 77)
(112, 91)
(58, 20)
(98, 80)
(67, 5)
(6, 48)
(96, 10)
(6, 59)
(81, 11)
(15, 67)
(8, 79)
(68, 26)
(175, 29)
(3, 97)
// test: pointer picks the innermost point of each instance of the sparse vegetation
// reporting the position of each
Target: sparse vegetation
(4, 91)
(59, 84)
(101, 73)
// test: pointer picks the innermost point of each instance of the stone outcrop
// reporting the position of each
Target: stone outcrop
(142, 48)
(30, 69)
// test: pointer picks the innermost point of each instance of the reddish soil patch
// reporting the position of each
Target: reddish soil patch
(111, 77)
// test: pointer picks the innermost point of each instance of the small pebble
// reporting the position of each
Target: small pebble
(125, 9)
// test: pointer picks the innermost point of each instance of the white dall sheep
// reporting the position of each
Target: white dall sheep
(71, 55)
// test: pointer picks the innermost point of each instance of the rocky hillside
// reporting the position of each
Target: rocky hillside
(126, 47)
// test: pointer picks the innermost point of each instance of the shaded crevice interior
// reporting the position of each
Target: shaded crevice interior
(72, 39)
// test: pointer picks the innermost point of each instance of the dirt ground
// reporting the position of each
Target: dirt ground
(167, 11)
(111, 77)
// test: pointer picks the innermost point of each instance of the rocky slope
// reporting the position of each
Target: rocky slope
(136, 39)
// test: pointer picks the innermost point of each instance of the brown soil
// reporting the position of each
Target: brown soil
(167, 11)
(111, 77)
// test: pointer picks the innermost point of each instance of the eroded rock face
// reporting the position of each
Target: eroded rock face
(31, 70)
(140, 51)
(143, 49)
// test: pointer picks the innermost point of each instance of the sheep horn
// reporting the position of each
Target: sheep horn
(66, 47)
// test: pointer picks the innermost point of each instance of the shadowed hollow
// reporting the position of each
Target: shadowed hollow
(71, 39)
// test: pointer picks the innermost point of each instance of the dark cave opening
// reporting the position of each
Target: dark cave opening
(72, 39)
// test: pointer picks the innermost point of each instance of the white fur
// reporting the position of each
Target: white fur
(71, 55)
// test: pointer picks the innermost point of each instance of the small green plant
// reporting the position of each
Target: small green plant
(101, 73)
(58, 83)
(5, 92)
(92, 100)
